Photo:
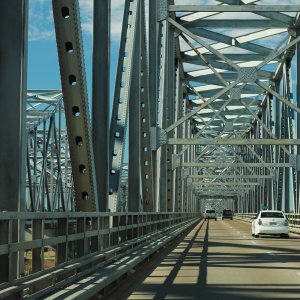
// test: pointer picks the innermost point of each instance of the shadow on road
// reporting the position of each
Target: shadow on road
(182, 273)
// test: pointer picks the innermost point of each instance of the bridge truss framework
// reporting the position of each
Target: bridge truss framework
(209, 95)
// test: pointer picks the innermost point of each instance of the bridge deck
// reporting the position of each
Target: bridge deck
(221, 260)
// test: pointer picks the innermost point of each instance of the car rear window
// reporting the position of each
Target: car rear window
(272, 215)
(210, 211)
(227, 212)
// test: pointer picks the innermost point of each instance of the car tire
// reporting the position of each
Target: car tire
(215, 219)
(252, 234)
(231, 219)
(256, 236)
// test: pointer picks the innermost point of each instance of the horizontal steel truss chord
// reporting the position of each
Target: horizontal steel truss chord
(227, 142)
(234, 8)
(221, 189)
(219, 194)
(203, 183)
(221, 23)
(232, 165)
(229, 176)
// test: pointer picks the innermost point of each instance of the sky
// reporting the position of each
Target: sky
(43, 68)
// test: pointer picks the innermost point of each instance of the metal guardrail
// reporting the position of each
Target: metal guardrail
(294, 220)
(81, 243)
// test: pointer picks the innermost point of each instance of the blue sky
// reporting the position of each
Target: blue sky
(43, 69)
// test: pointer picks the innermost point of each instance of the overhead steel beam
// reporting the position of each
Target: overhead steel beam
(203, 141)
(215, 183)
(232, 165)
(276, 16)
(219, 23)
(234, 8)
(221, 177)
(212, 58)
(219, 194)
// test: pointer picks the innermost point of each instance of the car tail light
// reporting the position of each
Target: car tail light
(260, 222)
(286, 222)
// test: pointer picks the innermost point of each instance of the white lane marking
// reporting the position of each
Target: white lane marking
(298, 273)
(254, 243)
(270, 253)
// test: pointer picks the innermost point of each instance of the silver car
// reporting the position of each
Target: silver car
(270, 222)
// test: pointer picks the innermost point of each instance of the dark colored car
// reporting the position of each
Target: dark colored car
(227, 214)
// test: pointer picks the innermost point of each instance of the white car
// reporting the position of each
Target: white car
(210, 214)
(270, 222)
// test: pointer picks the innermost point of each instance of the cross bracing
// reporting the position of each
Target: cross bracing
(205, 113)
(49, 183)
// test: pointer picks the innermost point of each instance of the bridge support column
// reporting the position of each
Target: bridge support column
(153, 86)
(13, 73)
(297, 185)
(101, 98)
(134, 175)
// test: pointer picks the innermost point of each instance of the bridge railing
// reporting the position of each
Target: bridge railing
(74, 244)
(294, 220)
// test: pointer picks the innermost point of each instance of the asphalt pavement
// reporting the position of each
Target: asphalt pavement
(220, 260)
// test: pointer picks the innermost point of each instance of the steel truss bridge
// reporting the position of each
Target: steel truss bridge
(209, 97)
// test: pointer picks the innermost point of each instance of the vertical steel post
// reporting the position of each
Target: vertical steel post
(170, 119)
(101, 98)
(297, 200)
(289, 135)
(134, 168)
(179, 109)
(13, 74)
(120, 104)
(147, 177)
(37, 253)
(153, 82)
(161, 156)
